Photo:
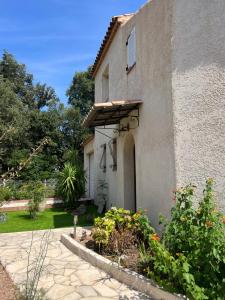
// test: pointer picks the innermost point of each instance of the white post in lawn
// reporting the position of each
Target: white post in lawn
(75, 226)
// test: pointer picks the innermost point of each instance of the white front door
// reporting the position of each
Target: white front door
(91, 176)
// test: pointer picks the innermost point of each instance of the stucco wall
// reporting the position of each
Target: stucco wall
(150, 81)
(180, 77)
(199, 92)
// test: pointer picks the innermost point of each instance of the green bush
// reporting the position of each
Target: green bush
(23, 192)
(170, 272)
(37, 191)
(190, 258)
(71, 184)
(5, 193)
(119, 219)
(199, 235)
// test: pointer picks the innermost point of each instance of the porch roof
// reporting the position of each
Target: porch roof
(109, 113)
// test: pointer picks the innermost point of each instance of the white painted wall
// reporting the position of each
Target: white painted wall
(199, 92)
(180, 76)
(150, 81)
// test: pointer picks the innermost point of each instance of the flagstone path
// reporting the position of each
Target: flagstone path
(65, 276)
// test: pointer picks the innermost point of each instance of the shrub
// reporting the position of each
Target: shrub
(5, 193)
(173, 273)
(190, 258)
(116, 221)
(199, 235)
(37, 190)
(71, 184)
(23, 192)
(121, 241)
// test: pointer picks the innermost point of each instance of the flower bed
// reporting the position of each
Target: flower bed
(126, 276)
(189, 258)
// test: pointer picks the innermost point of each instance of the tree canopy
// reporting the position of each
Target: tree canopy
(81, 92)
(31, 112)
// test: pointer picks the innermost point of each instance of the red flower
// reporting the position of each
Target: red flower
(223, 220)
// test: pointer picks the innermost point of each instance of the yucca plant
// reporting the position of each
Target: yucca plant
(71, 184)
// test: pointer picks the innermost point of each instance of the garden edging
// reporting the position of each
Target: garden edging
(126, 276)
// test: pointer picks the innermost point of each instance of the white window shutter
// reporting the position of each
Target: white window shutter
(131, 49)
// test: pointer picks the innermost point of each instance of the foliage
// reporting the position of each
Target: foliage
(81, 97)
(199, 235)
(120, 220)
(71, 184)
(5, 193)
(21, 192)
(34, 96)
(120, 241)
(81, 92)
(190, 259)
(73, 132)
(14, 172)
(172, 273)
(37, 191)
(31, 112)
(12, 122)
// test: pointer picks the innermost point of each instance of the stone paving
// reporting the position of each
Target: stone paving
(64, 276)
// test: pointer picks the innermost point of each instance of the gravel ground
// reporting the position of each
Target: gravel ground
(7, 288)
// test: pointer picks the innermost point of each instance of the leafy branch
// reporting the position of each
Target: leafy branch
(14, 172)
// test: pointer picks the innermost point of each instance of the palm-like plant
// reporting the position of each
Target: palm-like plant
(71, 184)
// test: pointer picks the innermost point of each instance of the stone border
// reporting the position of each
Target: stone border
(126, 276)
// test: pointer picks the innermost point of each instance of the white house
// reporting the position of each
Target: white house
(159, 112)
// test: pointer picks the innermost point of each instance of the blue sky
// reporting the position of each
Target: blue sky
(56, 38)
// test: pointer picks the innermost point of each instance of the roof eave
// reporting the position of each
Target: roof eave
(112, 30)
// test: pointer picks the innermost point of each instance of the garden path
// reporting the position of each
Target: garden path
(65, 276)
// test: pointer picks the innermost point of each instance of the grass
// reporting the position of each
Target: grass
(48, 219)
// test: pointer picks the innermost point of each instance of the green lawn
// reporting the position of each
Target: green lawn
(48, 219)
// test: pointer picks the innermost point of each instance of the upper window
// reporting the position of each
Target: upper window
(105, 85)
(131, 50)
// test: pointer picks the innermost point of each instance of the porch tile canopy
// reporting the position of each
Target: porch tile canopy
(109, 113)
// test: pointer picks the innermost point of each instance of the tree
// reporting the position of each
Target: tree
(81, 98)
(33, 95)
(24, 124)
(21, 81)
(13, 123)
(73, 132)
(81, 92)
(31, 113)
(44, 96)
